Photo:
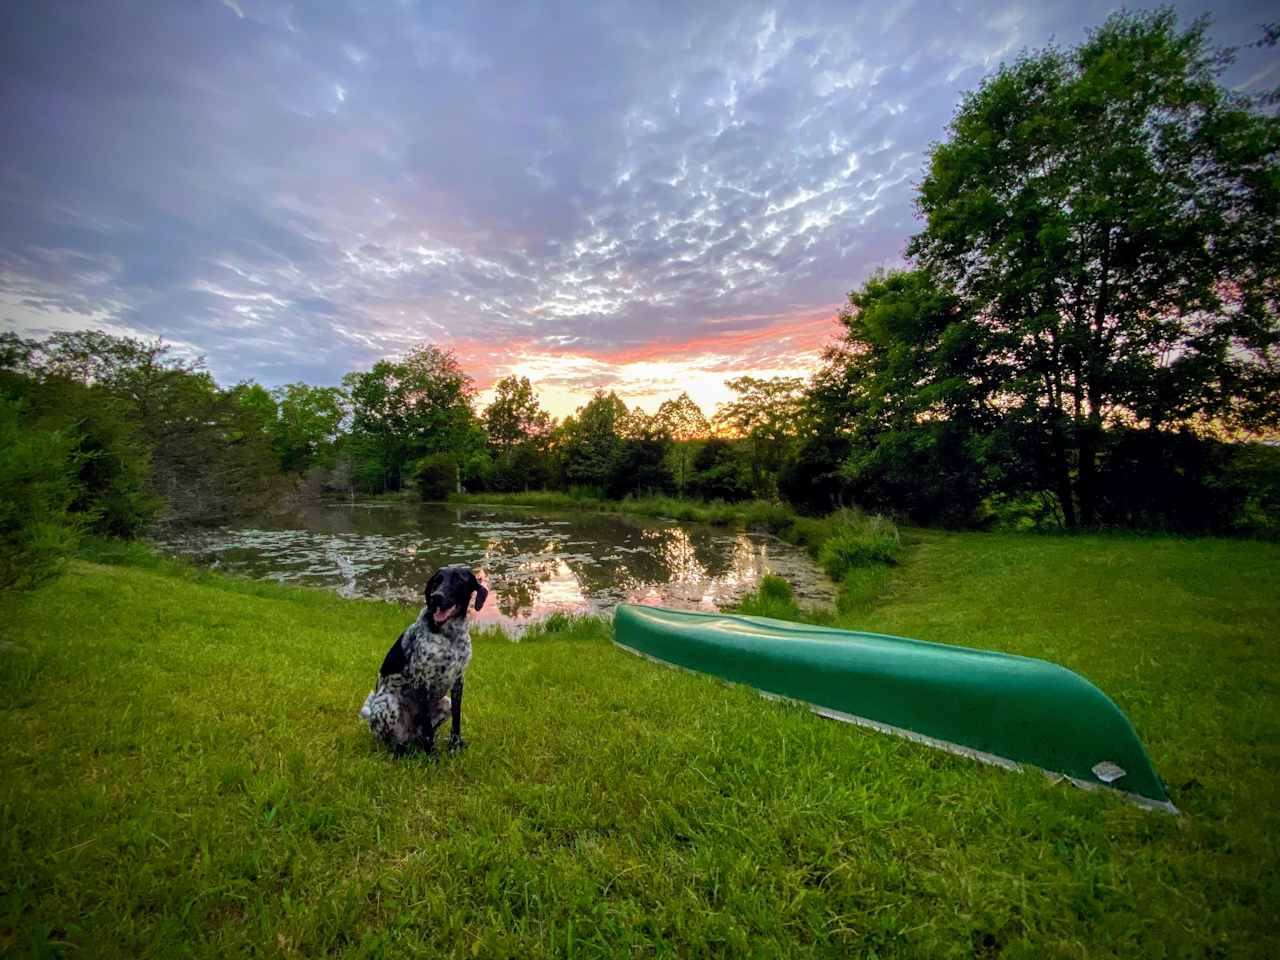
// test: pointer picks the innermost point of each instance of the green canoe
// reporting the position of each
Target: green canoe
(996, 707)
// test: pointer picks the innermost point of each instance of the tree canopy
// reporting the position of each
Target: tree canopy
(1109, 217)
(402, 410)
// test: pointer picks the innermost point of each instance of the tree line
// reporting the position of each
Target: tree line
(1085, 334)
(153, 437)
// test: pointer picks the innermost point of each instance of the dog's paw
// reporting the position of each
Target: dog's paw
(440, 711)
(457, 744)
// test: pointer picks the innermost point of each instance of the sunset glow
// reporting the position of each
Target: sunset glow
(651, 202)
(648, 374)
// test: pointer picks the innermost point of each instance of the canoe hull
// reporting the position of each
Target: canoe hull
(997, 707)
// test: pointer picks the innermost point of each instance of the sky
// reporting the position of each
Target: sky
(647, 198)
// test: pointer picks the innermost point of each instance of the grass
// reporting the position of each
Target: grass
(182, 773)
(760, 514)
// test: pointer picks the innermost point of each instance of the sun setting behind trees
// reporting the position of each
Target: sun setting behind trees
(1088, 335)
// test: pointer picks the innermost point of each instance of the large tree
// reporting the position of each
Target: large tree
(307, 425)
(590, 441)
(130, 401)
(402, 410)
(1110, 216)
(519, 434)
(769, 416)
(685, 423)
(908, 390)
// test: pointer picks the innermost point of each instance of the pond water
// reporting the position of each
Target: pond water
(536, 561)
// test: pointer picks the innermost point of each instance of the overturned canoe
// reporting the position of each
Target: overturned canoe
(996, 707)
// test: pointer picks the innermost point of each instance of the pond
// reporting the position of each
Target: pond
(536, 561)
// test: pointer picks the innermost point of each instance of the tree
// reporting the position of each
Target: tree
(515, 416)
(640, 461)
(307, 425)
(769, 416)
(910, 391)
(1110, 216)
(519, 435)
(404, 410)
(719, 473)
(113, 461)
(209, 454)
(261, 413)
(590, 441)
(684, 422)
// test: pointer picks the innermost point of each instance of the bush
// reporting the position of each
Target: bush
(773, 598)
(935, 474)
(436, 476)
(813, 480)
(1037, 510)
(641, 468)
(1255, 471)
(719, 473)
(37, 487)
(858, 541)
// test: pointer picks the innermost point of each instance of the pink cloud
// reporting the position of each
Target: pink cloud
(786, 344)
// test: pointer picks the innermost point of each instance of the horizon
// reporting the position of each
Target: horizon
(645, 202)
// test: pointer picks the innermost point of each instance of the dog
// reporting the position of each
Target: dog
(420, 682)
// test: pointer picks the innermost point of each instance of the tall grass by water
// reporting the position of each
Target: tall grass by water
(761, 514)
(182, 772)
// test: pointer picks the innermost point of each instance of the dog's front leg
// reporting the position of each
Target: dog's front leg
(425, 723)
(456, 742)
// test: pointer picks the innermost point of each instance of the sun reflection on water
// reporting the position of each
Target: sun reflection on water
(536, 564)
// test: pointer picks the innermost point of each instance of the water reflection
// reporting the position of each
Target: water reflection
(536, 562)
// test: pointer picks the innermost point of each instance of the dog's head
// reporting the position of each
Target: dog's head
(449, 594)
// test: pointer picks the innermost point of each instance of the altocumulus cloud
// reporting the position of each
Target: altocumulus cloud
(647, 197)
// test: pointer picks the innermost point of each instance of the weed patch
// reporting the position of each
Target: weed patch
(855, 541)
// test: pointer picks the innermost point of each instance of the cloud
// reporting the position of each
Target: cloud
(585, 192)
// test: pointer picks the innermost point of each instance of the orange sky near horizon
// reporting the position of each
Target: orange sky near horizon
(646, 374)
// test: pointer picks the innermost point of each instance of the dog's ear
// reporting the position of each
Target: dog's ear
(481, 593)
(434, 582)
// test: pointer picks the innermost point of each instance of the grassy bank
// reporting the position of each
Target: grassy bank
(181, 771)
(759, 514)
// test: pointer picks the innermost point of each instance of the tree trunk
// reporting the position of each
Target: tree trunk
(1088, 437)
(1062, 475)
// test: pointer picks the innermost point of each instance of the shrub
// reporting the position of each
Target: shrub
(857, 541)
(37, 487)
(719, 473)
(813, 480)
(436, 476)
(773, 598)
(1255, 471)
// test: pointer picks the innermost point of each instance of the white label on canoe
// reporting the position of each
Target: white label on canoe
(1108, 772)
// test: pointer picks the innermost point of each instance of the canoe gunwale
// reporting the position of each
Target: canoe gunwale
(959, 749)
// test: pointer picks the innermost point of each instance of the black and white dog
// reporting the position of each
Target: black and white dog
(420, 682)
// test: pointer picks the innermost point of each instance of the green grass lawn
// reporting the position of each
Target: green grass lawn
(182, 773)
